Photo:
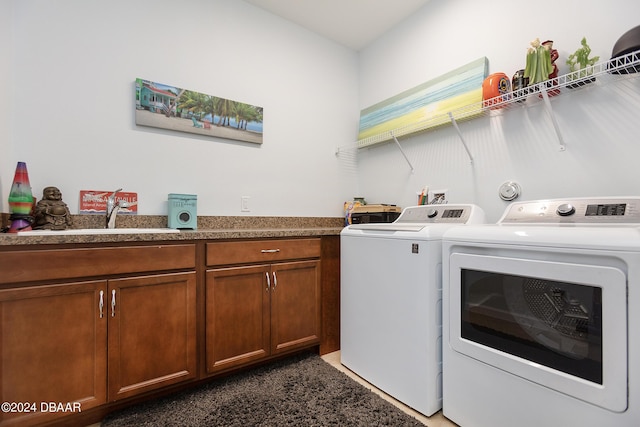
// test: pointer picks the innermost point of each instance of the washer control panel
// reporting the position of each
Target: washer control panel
(613, 210)
(444, 213)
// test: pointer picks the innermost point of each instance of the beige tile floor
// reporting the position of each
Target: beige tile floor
(436, 420)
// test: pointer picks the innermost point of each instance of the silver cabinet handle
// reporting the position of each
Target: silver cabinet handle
(101, 304)
(268, 282)
(270, 251)
(113, 303)
(275, 281)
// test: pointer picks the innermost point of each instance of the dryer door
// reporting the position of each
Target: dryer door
(561, 325)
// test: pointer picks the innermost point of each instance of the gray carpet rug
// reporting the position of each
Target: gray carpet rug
(303, 390)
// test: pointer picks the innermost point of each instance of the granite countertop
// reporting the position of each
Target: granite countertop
(209, 228)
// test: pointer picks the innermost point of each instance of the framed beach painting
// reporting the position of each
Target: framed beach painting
(425, 106)
(170, 107)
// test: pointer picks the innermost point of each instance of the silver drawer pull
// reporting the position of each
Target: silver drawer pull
(101, 304)
(113, 303)
(270, 251)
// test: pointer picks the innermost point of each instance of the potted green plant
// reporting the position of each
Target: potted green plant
(581, 66)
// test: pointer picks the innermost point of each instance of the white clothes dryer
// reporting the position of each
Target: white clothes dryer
(391, 298)
(541, 316)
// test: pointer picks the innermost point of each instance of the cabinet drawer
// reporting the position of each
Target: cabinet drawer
(27, 266)
(245, 252)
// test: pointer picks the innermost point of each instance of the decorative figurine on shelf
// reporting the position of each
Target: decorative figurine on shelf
(540, 65)
(496, 88)
(518, 82)
(51, 213)
(20, 200)
(581, 65)
(553, 54)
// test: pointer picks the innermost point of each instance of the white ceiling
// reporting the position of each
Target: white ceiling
(352, 23)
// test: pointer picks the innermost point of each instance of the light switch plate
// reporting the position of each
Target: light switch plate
(244, 204)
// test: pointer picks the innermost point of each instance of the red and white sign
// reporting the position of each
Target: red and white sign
(95, 202)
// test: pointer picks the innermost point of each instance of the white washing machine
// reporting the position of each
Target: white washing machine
(541, 315)
(391, 298)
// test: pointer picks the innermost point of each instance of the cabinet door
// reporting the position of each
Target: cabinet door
(152, 332)
(237, 316)
(295, 305)
(53, 348)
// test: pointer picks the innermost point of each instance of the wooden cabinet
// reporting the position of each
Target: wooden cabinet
(53, 348)
(237, 316)
(152, 332)
(88, 342)
(95, 328)
(262, 298)
(330, 273)
(295, 305)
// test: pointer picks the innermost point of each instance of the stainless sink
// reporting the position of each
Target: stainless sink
(88, 231)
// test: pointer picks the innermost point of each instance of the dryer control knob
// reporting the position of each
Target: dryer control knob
(432, 213)
(566, 209)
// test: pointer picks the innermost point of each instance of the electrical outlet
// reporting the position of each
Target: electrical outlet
(244, 204)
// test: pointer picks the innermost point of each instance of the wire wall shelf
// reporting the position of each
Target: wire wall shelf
(622, 67)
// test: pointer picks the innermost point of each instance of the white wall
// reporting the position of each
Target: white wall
(7, 160)
(73, 68)
(599, 124)
(68, 109)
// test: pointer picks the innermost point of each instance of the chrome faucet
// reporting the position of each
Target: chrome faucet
(113, 206)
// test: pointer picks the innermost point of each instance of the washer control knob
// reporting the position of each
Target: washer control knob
(566, 209)
(432, 213)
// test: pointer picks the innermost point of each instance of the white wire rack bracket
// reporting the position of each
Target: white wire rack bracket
(464, 143)
(345, 149)
(554, 122)
(402, 151)
(622, 67)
